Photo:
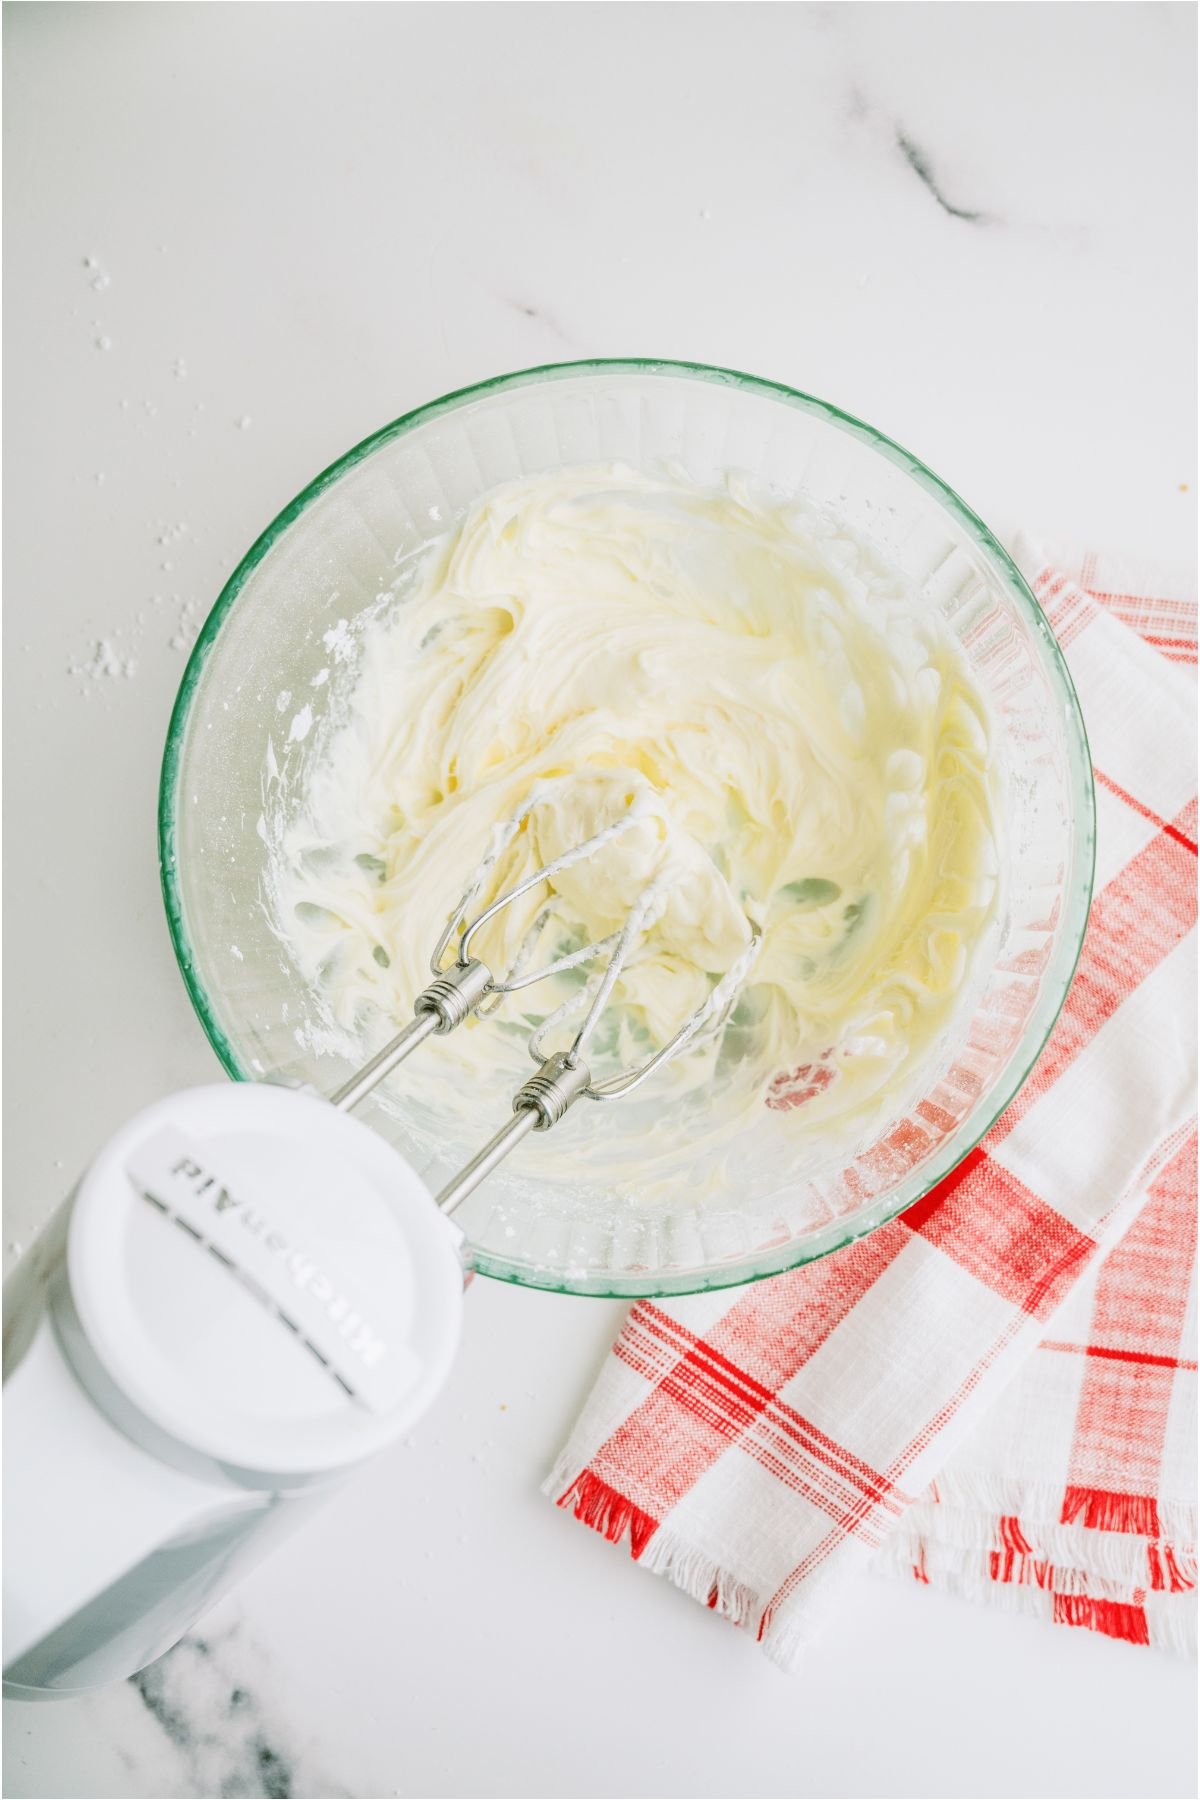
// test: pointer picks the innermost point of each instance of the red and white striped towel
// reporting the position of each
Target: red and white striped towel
(994, 1393)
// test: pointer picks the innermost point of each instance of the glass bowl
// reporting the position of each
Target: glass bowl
(328, 556)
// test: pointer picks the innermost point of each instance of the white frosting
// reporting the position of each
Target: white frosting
(807, 751)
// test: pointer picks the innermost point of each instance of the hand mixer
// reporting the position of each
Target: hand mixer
(249, 1294)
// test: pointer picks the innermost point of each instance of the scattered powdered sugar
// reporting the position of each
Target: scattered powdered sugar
(114, 656)
(104, 662)
(188, 627)
(99, 279)
(110, 657)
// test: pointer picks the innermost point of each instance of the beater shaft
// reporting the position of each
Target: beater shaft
(482, 1164)
(382, 1064)
(541, 1103)
(441, 1006)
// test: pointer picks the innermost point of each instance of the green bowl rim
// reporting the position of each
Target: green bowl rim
(788, 1256)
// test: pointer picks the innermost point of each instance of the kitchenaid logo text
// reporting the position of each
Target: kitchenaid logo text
(360, 1337)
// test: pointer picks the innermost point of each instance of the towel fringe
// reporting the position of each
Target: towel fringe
(1172, 1570)
(1061, 1564)
(609, 1512)
(703, 1579)
(1039, 1505)
(1113, 1618)
(1101, 1510)
(1171, 1625)
(595, 1502)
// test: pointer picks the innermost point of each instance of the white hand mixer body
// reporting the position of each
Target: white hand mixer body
(248, 1295)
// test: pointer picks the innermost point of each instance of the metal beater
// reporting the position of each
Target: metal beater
(467, 985)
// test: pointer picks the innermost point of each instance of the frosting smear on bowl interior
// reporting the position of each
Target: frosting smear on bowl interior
(804, 747)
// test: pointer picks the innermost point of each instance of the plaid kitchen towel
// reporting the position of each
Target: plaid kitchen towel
(994, 1393)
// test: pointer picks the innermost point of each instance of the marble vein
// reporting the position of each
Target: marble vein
(225, 1735)
(918, 162)
(549, 322)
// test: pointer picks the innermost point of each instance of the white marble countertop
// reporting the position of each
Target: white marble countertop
(971, 225)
